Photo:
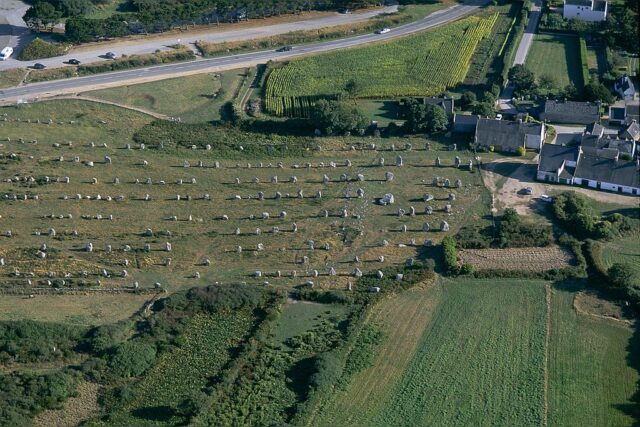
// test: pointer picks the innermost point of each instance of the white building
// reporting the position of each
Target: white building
(585, 10)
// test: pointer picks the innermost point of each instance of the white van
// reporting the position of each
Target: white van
(6, 53)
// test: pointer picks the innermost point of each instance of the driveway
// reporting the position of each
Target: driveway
(13, 30)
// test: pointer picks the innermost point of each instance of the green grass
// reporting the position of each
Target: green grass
(194, 98)
(591, 382)
(557, 56)
(108, 9)
(624, 250)
(382, 111)
(10, 78)
(478, 361)
(299, 317)
(422, 64)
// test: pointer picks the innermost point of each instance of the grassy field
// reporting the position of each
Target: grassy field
(557, 56)
(591, 382)
(10, 78)
(206, 235)
(193, 99)
(423, 64)
(475, 357)
(625, 250)
(299, 317)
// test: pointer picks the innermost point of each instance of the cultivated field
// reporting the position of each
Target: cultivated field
(97, 243)
(467, 352)
(557, 56)
(593, 375)
(423, 64)
(528, 259)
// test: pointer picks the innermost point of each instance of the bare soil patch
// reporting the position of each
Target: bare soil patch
(529, 259)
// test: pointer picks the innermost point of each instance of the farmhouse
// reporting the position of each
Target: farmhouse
(445, 102)
(585, 10)
(624, 87)
(570, 112)
(508, 136)
(464, 123)
(599, 168)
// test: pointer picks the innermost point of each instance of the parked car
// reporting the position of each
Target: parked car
(6, 53)
(110, 55)
(73, 62)
(528, 191)
(39, 66)
(284, 49)
(546, 198)
(383, 31)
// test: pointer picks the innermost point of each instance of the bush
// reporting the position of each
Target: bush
(38, 49)
(522, 151)
(450, 255)
(132, 359)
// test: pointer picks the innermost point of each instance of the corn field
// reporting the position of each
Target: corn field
(421, 65)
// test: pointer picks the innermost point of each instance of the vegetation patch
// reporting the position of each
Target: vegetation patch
(556, 56)
(38, 49)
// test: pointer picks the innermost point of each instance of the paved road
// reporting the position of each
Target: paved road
(504, 103)
(229, 62)
(93, 52)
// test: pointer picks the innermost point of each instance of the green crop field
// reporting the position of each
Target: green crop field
(421, 65)
(193, 99)
(593, 375)
(118, 229)
(467, 352)
(557, 56)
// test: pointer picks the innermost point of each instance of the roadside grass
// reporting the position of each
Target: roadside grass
(298, 317)
(403, 318)
(13, 77)
(558, 56)
(593, 367)
(193, 99)
(83, 309)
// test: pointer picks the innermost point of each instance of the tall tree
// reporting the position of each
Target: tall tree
(42, 14)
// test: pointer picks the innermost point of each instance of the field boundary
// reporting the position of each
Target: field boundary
(547, 339)
(117, 104)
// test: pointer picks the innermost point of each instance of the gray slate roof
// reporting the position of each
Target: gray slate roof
(617, 113)
(570, 112)
(446, 103)
(619, 172)
(632, 131)
(552, 156)
(503, 133)
(465, 123)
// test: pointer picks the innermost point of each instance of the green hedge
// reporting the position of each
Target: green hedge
(136, 61)
(39, 49)
(586, 76)
(450, 254)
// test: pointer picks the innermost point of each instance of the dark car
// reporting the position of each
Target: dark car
(73, 62)
(110, 55)
(284, 49)
(39, 66)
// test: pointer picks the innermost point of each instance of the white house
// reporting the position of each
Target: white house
(585, 10)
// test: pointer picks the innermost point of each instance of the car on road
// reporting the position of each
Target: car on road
(285, 49)
(39, 66)
(6, 53)
(73, 62)
(110, 55)
(546, 198)
(383, 31)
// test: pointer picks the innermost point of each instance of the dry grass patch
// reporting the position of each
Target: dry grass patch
(529, 259)
(75, 410)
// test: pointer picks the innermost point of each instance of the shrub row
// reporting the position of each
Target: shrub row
(450, 255)
(38, 49)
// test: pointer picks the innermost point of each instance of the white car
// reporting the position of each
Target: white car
(546, 198)
(383, 31)
(6, 53)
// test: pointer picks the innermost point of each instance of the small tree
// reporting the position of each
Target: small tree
(468, 98)
(596, 91)
(352, 87)
(425, 118)
(522, 78)
(623, 275)
(484, 109)
(43, 14)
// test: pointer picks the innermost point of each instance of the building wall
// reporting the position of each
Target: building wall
(547, 176)
(533, 141)
(583, 13)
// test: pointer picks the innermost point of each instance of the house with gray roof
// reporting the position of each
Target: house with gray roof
(625, 88)
(557, 163)
(617, 115)
(508, 136)
(631, 132)
(632, 112)
(570, 112)
(465, 123)
(445, 102)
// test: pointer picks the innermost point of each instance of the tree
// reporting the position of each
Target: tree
(570, 91)
(596, 91)
(42, 14)
(522, 78)
(484, 109)
(352, 88)
(468, 98)
(132, 359)
(335, 117)
(623, 275)
(425, 118)
(547, 81)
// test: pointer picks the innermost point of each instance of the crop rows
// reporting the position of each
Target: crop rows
(422, 65)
